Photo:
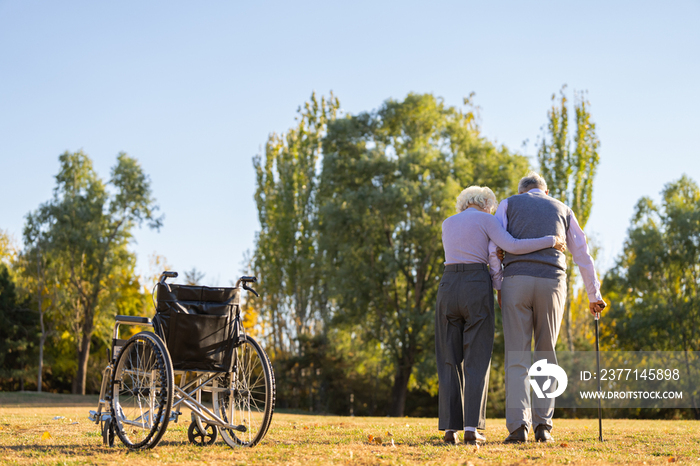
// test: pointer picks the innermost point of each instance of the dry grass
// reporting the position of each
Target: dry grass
(299, 439)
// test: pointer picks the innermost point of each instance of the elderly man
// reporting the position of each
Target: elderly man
(532, 296)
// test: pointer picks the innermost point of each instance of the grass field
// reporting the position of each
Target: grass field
(30, 435)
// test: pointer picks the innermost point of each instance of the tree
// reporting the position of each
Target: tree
(653, 288)
(32, 267)
(194, 276)
(18, 325)
(86, 228)
(570, 175)
(18, 329)
(389, 179)
(285, 258)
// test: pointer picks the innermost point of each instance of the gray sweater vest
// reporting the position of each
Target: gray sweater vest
(532, 215)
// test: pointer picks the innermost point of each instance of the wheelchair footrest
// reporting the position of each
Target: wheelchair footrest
(102, 417)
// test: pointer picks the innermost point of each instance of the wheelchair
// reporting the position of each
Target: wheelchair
(198, 339)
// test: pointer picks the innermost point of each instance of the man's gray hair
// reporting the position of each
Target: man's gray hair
(476, 195)
(530, 181)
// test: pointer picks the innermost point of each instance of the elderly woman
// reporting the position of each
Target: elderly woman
(464, 321)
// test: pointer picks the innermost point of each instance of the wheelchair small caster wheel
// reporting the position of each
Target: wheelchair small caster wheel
(107, 433)
(200, 438)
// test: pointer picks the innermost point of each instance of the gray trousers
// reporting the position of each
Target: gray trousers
(530, 305)
(464, 326)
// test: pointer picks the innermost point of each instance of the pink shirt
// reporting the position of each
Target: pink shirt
(466, 237)
(575, 243)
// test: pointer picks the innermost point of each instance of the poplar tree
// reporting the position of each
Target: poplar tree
(285, 258)
(570, 173)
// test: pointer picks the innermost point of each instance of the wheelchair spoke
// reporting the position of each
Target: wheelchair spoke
(142, 391)
(249, 398)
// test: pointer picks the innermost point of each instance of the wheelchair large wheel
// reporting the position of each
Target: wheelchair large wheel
(246, 396)
(142, 391)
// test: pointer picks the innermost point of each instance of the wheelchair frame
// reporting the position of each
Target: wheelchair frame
(231, 393)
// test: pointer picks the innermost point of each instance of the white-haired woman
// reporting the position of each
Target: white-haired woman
(464, 321)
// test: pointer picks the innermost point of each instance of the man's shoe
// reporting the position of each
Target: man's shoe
(473, 438)
(450, 437)
(519, 435)
(542, 434)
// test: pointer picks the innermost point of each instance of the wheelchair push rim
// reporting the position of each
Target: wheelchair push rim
(142, 391)
(246, 396)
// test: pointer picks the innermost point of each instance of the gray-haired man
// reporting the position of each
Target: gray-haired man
(533, 295)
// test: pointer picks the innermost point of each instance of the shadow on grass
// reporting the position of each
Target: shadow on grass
(46, 400)
(65, 449)
(99, 448)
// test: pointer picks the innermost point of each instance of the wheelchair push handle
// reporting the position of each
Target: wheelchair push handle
(165, 275)
(245, 280)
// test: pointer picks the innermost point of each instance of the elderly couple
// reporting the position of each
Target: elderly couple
(534, 230)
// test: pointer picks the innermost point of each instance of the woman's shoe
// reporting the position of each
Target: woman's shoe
(473, 438)
(450, 437)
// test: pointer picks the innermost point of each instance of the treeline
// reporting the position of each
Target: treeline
(348, 255)
(653, 287)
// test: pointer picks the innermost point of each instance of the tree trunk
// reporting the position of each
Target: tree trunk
(375, 391)
(83, 355)
(400, 389)
(40, 305)
(42, 340)
(81, 375)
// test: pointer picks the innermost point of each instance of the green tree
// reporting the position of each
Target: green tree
(40, 282)
(570, 174)
(18, 325)
(86, 228)
(18, 332)
(285, 258)
(193, 276)
(389, 179)
(653, 288)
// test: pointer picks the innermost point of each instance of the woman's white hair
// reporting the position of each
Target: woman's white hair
(476, 195)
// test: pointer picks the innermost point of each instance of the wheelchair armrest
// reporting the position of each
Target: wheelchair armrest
(133, 320)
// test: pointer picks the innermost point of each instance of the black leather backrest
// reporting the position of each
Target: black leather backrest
(194, 299)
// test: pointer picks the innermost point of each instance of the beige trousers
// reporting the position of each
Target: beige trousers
(531, 305)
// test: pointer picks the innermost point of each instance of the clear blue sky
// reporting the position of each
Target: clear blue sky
(192, 90)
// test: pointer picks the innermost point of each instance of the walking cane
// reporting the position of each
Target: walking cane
(597, 357)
